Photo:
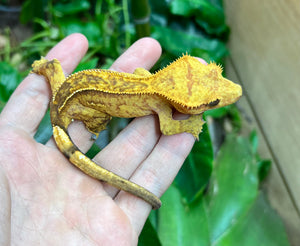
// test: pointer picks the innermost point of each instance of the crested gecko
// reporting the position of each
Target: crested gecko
(94, 96)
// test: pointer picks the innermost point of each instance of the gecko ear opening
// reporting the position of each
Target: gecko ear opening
(214, 103)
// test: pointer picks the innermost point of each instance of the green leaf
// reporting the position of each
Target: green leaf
(233, 213)
(89, 64)
(209, 16)
(107, 63)
(180, 225)
(72, 7)
(254, 141)
(2, 105)
(264, 167)
(260, 226)
(94, 150)
(234, 186)
(218, 112)
(9, 80)
(184, 7)
(32, 9)
(159, 7)
(179, 42)
(235, 116)
(90, 29)
(214, 29)
(44, 131)
(196, 170)
(148, 236)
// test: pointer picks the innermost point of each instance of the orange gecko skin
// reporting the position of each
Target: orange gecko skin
(94, 96)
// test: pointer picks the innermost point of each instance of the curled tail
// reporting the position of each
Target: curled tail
(89, 167)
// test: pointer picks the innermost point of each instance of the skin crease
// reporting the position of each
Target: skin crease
(45, 200)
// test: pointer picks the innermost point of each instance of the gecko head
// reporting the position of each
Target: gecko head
(205, 88)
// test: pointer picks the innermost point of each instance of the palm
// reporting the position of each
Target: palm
(45, 200)
(53, 203)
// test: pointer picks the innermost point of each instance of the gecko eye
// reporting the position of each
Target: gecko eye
(214, 103)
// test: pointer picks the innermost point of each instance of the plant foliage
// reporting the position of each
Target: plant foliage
(233, 212)
(215, 199)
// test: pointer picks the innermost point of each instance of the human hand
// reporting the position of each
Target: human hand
(46, 200)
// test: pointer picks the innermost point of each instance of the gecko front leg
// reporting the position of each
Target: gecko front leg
(170, 126)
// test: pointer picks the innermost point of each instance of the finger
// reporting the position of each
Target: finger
(155, 174)
(143, 53)
(69, 51)
(129, 149)
(28, 104)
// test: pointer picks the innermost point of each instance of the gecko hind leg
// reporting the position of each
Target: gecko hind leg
(97, 124)
(94, 120)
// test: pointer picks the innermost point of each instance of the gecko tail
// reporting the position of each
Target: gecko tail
(89, 167)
